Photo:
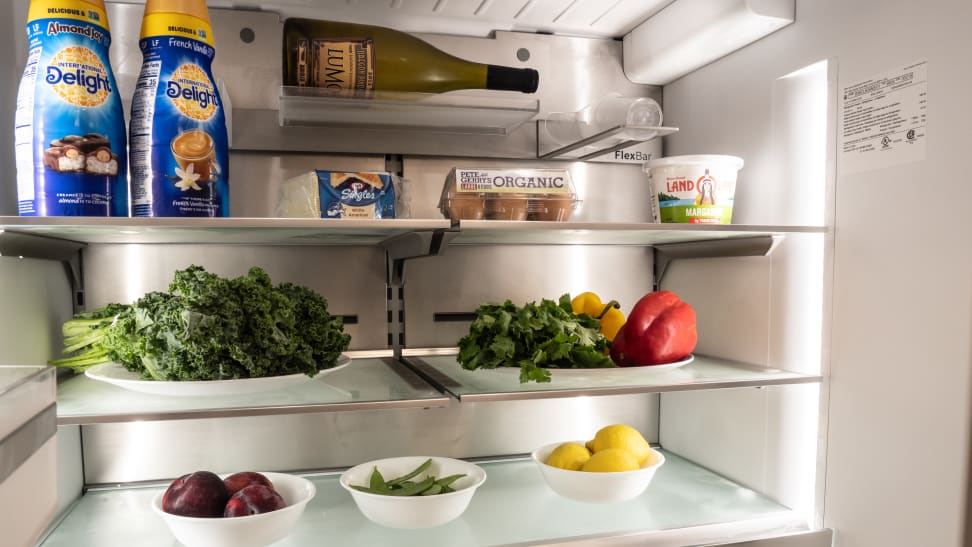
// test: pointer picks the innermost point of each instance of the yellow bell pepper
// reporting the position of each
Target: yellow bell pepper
(610, 314)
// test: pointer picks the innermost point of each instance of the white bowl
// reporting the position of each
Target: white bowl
(248, 531)
(414, 511)
(596, 487)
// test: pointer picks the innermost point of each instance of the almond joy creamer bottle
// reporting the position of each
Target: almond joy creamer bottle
(69, 134)
(179, 150)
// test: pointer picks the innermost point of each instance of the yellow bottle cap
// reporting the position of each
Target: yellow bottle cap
(69, 9)
(195, 8)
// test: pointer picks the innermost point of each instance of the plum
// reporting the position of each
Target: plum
(253, 500)
(198, 494)
(238, 481)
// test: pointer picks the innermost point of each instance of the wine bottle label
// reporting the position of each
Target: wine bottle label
(345, 65)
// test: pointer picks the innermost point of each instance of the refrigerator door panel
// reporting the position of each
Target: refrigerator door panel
(28, 497)
(28, 452)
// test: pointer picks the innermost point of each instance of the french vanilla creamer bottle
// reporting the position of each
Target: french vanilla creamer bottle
(179, 150)
(69, 134)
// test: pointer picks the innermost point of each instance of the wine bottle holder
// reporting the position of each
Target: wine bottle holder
(484, 113)
(604, 142)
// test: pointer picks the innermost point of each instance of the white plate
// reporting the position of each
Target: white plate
(115, 374)
(632, 370)
(652, 368)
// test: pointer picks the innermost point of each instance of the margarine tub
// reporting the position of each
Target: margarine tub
(693, 189)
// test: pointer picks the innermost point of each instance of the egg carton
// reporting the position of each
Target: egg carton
(508, 194)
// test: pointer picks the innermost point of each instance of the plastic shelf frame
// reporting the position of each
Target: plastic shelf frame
(465, 112)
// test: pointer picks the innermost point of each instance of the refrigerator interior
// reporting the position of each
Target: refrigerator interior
(771, 442)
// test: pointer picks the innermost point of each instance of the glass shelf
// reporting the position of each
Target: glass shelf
(684, 505)
(288, 231)
(455, 112)
(251, 231)
(365, 384)
(503, 384)
(513, 232)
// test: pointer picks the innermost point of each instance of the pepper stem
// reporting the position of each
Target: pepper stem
(607, 308)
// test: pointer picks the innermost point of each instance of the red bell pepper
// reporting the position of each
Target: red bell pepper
(660, 329)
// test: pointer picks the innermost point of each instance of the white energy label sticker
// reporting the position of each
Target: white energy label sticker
(883, 120)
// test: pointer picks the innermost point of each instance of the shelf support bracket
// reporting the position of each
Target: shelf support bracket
(719, 248)
(23, 245)
(398, 250)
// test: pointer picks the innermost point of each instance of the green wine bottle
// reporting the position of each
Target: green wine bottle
(354, 59)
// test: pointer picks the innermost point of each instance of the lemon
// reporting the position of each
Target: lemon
(611, 460)
(624, 437)
(571, 456)
(590, 445)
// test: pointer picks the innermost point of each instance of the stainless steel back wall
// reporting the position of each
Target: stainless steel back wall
(465, 277)
(129, 452)
(257, 177)
(249, 74)
(608, 192)
(351, 278)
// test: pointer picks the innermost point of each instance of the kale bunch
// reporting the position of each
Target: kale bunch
(535, 338)
(206, 327)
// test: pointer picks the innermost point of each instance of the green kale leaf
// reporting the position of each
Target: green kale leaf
(206, 327)
(535, 338)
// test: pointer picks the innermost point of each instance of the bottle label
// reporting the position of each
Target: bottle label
(69, 131)
(513, 181)
(179, 146)
(345, 66)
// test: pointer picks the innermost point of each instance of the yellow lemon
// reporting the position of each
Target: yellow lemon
(624, 437)
(611, 460)
(590, 445)
(571, 456)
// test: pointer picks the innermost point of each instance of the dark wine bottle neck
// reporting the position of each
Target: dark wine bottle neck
(512, 79)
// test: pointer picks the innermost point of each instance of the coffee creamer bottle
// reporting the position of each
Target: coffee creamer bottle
(69, 134)
(179, 150)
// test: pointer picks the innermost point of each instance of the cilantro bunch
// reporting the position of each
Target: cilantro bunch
(534, 337)
(206, 327)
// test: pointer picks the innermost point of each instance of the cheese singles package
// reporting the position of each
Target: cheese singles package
(342, 194)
